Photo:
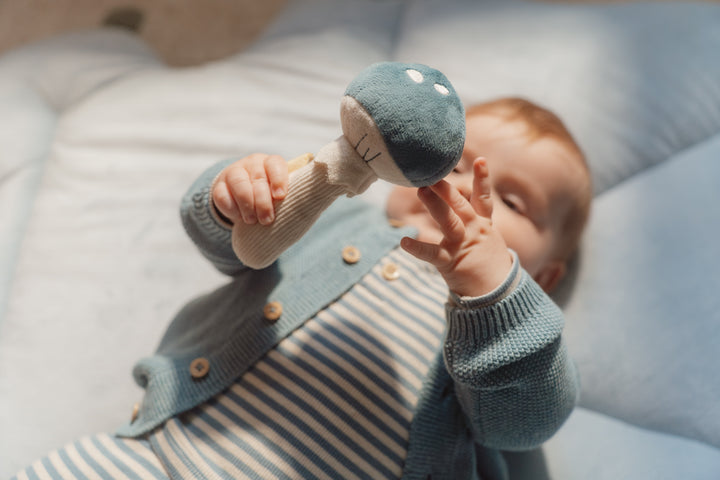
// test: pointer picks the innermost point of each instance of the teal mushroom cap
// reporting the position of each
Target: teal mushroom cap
(416, 112)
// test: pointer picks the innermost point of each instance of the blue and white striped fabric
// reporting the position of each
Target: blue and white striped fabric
(99, 457)
(333, 400)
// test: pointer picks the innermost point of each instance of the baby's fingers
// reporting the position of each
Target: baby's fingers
(240, 189)
(440, 210)
(455, 200)
(276, 169)
(247, 189)
(427, 252)
(262, 199)
(481, 198)
(224, 202)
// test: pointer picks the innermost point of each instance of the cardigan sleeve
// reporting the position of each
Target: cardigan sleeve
(513, 376)
(204, 225)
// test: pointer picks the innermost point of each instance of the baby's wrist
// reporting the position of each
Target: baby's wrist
(493, 296)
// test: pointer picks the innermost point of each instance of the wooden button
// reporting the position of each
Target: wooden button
(199, 367)
(390, 271)
(135, 413)
(272, 311)
(395, 223)
(351, 254)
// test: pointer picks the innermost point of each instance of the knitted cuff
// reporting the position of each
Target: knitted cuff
(199, 217)
(519, 305)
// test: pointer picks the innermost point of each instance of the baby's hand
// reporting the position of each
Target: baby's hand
(472, 257)
(246, 189)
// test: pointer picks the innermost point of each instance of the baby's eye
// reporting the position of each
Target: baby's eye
(462, 167)
(511, 204)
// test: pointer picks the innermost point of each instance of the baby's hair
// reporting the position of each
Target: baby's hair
(542, 123)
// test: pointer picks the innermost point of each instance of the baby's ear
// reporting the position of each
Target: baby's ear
(550, 275)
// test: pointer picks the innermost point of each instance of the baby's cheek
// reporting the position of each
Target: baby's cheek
(533, 251)
(400, 202)
(517, 235)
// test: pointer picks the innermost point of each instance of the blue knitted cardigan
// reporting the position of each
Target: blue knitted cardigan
(502, 381)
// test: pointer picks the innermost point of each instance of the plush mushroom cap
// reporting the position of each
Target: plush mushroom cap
(406, 121)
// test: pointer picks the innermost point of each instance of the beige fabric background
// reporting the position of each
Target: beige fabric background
(183, 32)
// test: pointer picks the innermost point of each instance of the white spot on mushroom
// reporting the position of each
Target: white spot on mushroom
(442, 89)
(416, 76)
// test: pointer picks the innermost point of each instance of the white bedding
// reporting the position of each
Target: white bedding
(99, 140)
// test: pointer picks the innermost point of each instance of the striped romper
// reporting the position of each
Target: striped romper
(333, 400)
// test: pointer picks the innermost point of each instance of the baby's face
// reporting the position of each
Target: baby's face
(533, 184)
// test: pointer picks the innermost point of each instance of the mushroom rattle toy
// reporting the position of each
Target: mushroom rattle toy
(402, 122)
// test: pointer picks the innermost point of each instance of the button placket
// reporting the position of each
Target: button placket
(390, 271)
(272, 311)
(351, 254)
(199, 368)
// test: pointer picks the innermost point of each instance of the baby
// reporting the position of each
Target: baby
(539, 183)
(352, 358)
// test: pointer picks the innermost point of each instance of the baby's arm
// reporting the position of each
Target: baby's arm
(503, 349)
(512, 374)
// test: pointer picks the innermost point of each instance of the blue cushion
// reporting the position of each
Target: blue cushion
(636, 83)
(595, 447)
(644, 320)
